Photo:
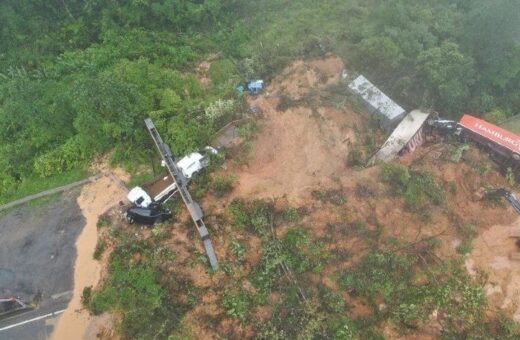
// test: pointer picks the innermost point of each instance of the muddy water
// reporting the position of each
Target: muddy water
(95, 198)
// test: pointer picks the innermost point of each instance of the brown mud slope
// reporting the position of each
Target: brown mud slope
(493, 256)
(331, 214)
(94, 200)
(298, 159)
(304, 146)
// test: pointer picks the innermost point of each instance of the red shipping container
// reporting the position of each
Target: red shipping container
(492, 132)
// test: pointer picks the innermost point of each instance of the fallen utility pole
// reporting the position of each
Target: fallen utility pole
(181, 182)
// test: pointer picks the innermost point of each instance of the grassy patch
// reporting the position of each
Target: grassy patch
(223, 185)
(247, 132)
(334, 196)
(100, 248)
(412, 289)
(355, 158)
(33, 185)
(140, 178)
(237, 303)
(291, 214)
(103, 221)
(418, 189)
(135, 288)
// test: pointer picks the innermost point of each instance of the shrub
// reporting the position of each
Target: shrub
(296, 238)
(238, 250)
(334, 196)
(378, 274)
(343, 329)
(370, 143)
(332, 301)
(100, 248)
(222, 71)
(248, 130)
(223, 185)
(302, 253)
(68, 156)
(291, 214)
(267, 271)
(261, 213)
(355, 158)
(103, 221)
(286, 103)
(495, 116)
(236, 303)
(408, 313)
(86, 296)
(219, 109)
(238, 212)
(417, 188)
(271, 332)
(396, 175)
(510, 177)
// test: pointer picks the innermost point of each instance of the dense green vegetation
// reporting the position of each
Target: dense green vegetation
(419, 189)
(137, 287)
(77, 77)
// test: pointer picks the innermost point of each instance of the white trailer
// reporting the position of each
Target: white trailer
(388, 112)
(408, 134)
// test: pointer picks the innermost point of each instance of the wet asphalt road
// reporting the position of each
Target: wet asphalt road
(37, 255)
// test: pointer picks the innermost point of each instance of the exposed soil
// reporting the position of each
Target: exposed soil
(299, 157)
(492, 256)
(303, 147)
(202, 70)
(95, 198)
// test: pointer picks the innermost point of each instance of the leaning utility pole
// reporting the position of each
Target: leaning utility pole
(181, 182)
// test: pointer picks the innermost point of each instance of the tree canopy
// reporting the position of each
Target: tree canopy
(78, 77)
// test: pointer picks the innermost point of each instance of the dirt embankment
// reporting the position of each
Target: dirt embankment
(304, 146)
(493, 256)
(302, 149)
(493, 249)
(95, 198)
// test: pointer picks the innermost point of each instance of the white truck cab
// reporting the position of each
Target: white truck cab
(139, 197)
(190, 165)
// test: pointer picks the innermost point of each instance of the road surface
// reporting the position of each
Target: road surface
(37, 255)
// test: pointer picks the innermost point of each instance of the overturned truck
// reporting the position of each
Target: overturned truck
(502, 145)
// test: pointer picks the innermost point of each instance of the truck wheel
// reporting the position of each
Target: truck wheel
(130, 219)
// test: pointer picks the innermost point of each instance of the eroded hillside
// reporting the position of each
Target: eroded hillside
(311, 244)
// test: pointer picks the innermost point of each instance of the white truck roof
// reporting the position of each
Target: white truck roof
(190, 164)
(376, 98)
(139, 197)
